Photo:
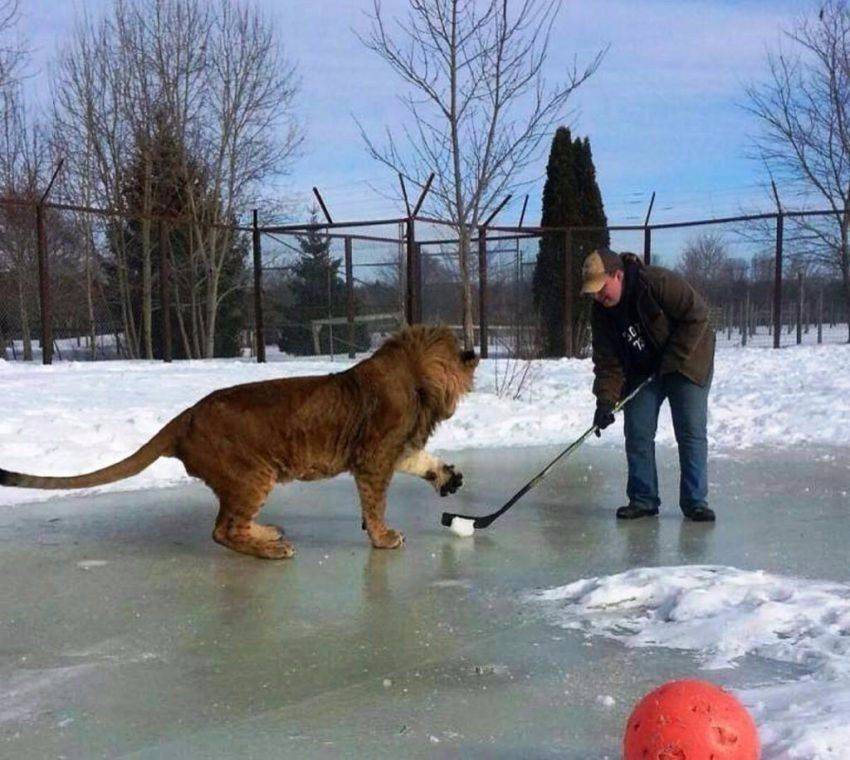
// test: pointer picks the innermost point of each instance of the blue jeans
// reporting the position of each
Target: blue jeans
(689, 409)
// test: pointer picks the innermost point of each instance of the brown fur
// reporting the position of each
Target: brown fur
(371, 420)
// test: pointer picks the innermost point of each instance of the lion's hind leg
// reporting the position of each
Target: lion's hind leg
(235, 526)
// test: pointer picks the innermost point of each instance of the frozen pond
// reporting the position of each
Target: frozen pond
(126, 632)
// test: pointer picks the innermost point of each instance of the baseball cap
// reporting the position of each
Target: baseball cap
(600, 262)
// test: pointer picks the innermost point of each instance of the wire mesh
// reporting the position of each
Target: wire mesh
(320, 300)
(733, 264)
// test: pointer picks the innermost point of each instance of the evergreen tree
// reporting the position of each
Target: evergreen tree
(317, 291)
(168, 198)
(571, 198)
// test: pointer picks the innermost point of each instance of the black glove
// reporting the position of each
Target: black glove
(604, 416)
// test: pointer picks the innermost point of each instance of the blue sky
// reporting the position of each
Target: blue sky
(663, 112)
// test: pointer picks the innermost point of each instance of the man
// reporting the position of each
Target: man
(648, 321)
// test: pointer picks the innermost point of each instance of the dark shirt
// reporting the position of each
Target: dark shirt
(636, 351)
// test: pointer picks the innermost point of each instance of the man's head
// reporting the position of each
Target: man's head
(602, 277)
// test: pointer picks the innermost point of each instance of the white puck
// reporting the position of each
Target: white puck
(462, 527)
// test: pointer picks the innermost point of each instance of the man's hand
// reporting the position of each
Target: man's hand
(603, 418)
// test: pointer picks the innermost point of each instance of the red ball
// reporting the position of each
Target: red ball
(690, 720)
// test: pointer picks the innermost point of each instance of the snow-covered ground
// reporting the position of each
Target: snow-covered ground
(723, 615)
(73, 417)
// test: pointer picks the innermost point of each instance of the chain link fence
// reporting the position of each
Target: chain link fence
(331, 294)
(103, 285)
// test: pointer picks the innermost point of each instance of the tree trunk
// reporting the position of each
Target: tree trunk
(131, 340)
(89, 293)
(147, 289)
(466, 290)
(25, 321)
(147, 277)
(210, 309)
(845, 281)
(207, 314)
(181, 323)
(844, 263)
(194, 284)
(216, 253)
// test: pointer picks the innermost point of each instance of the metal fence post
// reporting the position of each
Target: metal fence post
(417, 284)
(799, 308)
(482, 292)
(165, 291)
(413, 310)
(349, 295)
(777, 282)
(259, 332)
(647, 233)
(44, 287)
(45, 293)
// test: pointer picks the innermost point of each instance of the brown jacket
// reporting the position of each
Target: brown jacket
(675, 319)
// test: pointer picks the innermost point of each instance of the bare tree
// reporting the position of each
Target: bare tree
(704, 259)
(80, 182)
(478, 103)
(246, 130)
(804, 112)
(214, 78)
(13, 52)
(23, 158)
(90, 88)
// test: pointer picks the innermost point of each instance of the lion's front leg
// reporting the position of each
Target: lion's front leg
(372, 487)
(443, 477)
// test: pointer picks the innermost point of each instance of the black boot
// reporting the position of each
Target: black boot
(633, 511)
(699, 514)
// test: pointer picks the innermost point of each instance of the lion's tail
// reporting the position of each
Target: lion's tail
(162, 444)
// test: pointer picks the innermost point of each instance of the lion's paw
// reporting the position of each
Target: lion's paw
(280, 549)
(389, 539)
(450, 480)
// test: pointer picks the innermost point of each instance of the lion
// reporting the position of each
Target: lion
(372, 420)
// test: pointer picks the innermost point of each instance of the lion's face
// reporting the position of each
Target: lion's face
(468, 362)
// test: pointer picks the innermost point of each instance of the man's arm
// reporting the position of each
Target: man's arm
(689, 312)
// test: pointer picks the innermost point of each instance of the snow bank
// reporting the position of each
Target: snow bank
(722, 615)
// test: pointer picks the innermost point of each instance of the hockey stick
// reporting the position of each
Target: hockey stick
(485, 520)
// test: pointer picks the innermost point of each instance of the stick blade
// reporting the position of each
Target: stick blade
(477, 522)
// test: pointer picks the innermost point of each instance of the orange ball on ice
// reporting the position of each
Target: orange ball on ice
(690, 720)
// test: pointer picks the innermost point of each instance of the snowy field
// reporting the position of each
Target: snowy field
(724, 615)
